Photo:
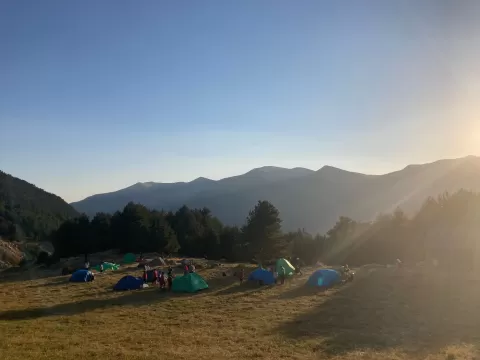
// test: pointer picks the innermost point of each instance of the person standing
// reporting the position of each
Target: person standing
(169, 278)
(281, 275)
(275, 274)
(161, 280)
(169, 282)
(242, 276)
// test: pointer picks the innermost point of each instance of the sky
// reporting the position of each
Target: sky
(99, 95)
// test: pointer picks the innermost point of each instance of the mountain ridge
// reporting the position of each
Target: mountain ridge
(306, 199)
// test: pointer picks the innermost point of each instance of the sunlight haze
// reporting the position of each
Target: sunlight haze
(97, 96)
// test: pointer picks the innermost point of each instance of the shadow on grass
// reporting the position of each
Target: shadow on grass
(57, 281)
(298, 291)
(248, 287)
(126, 298)
(406, 311)
(14, 275)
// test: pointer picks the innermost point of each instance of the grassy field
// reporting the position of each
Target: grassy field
(383, 314)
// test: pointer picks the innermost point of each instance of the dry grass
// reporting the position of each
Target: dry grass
(383, 314)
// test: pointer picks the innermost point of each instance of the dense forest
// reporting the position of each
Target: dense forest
(27, 212)
(444, 230)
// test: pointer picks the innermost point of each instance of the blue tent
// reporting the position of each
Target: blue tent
(82, 275)
(324, 278)
(129, 283)
(262, 275)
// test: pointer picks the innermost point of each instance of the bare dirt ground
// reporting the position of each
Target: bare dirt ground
(384, 314)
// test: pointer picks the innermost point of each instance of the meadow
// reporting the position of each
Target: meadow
(386, 313)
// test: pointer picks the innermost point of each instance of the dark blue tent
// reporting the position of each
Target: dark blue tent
(82, 275)
(324, 278)
(129, 283)
(262, 275)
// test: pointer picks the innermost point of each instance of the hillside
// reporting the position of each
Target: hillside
(306, 199)
(29, 212)
(414, 313)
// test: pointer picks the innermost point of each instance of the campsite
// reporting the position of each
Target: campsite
(387, 312)
(240, 180)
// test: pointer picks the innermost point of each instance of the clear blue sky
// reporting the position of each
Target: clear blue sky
(98, 95)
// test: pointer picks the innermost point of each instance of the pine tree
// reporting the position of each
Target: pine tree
(262, 232)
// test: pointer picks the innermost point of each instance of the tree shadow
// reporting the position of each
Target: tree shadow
(394, 310)
(20, 275)
(61, 280)
(127, 298)
(248, 287)
(299, 291)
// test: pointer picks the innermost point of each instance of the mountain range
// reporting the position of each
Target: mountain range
(307, 199)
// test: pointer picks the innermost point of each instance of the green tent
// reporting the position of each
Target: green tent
(129, 258)
(107, 266)
(190, 283)
(289, 269)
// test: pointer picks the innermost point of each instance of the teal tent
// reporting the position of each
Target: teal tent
(289, 269)
(192, 282)
(107, 266)
(129, 258)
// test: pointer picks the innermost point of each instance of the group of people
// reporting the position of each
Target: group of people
(164, 281)
(188, 268)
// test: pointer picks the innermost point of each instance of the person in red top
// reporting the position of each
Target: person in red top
(185, 270)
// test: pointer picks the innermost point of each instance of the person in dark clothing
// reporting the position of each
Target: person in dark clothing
(282, 275)
(161, 281)
(169, 281)
(242, 276)
(298, 266)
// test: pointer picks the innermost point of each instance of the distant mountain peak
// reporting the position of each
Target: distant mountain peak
(328, 169)
(143, 185)
(265, 169)
(201, 179)
(277, 169)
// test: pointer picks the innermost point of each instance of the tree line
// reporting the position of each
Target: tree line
(193, 232)
(446, 229)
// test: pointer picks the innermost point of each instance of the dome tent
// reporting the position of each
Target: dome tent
(129, 283)
(129, 258)
(107, 266)
(82, 275)
(262, 275)
(157, 262)
(192, 282)
(289, 269)
(324, 278)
